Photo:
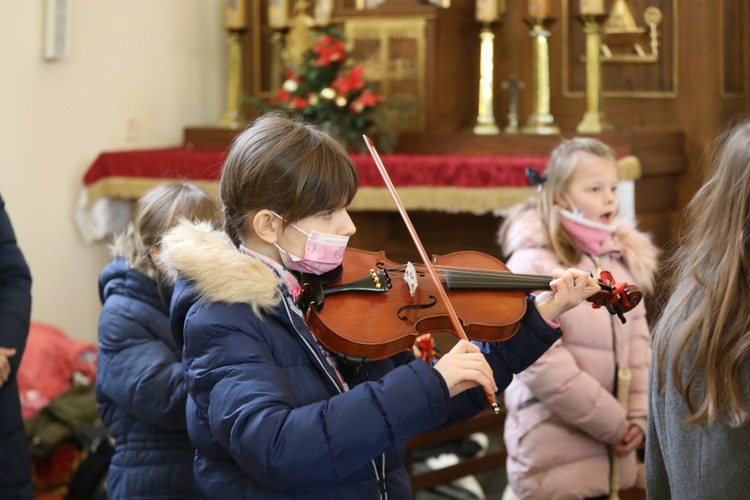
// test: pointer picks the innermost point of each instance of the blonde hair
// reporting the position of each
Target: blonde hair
(562, 163)
(157, 211)
(287, 166)
(705, 324)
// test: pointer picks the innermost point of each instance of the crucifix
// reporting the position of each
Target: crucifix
(512, 85)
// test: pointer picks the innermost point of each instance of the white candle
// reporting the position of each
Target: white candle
(322, 12)
(539, 8)
(277, 13)
(486, 10)
(236, 15)
(592, 7)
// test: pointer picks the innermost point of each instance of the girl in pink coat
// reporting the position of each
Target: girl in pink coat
(564, 419)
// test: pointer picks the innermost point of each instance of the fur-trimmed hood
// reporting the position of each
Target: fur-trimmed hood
(218, 270)
(526, 230)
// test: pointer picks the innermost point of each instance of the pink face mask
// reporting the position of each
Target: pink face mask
(323, 252)
(588, 234)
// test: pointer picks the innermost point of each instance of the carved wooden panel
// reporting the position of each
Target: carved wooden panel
(424, 60)
(392, 52)
(637, 63)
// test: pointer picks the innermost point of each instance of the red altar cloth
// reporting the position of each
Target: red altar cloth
(405, 170)
(447, 183)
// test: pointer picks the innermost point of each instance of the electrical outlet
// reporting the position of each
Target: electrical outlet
(56, 29)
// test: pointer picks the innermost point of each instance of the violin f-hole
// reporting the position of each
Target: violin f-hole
(403, 309)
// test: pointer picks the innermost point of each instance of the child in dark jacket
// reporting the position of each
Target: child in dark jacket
(271, 411)
(15, 317)
(140, 390)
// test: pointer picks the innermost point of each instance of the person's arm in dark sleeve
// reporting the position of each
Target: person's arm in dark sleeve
(15, 291)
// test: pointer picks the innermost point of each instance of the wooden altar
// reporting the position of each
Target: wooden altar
(661, 156)
(693, 86)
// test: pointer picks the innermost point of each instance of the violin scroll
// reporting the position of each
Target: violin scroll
(617, 298)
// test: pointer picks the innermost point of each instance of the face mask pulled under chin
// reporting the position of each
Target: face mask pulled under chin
(323, 252)
(587, 234)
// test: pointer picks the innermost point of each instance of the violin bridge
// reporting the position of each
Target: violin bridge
(410, 277)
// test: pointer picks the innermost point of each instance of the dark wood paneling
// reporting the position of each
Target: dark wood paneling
(733, 40)
(441, 233)
(208, 137)
(658, 193)
(660, 225)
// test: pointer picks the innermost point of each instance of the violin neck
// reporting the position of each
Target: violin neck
(488, 280)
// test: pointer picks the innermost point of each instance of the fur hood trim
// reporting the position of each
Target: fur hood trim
(220, 272)
(641, 256)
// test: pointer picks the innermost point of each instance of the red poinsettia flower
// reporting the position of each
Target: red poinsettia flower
(365, 100)
(352, 81)
(298, 103)
(281, 96)
(329, 50)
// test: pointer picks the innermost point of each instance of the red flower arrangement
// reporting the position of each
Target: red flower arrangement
(328, 92)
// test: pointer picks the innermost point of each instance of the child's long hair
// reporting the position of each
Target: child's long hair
(705, 324)
(560, 168)
(283, 165)
(157, 211)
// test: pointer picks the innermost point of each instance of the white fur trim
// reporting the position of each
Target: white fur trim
(221, 273)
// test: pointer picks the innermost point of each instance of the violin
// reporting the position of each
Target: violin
(363, 332)
(372, 308)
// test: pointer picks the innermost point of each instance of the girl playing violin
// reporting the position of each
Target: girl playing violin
(563, 412)
(269, 411)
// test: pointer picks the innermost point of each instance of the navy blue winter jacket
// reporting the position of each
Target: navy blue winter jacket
(140, 390)
(15, 317)
(266, 412)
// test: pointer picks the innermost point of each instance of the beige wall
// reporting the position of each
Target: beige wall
(138, 72)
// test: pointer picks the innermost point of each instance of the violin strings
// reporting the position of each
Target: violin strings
(458, 278)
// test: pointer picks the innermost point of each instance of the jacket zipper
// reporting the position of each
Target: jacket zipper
(597, 263)
(326, 369)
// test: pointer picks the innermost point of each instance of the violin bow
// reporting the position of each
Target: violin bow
(459, 329)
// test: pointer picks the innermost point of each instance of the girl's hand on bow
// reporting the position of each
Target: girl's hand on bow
(568, 289)
(464, 367)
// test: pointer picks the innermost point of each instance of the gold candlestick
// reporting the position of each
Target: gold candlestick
(593, 121)
(234, 117)
(277, 58)
(486, 116)
(541, 120)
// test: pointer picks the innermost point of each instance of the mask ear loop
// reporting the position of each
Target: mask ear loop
(575, 211)
(293, 225)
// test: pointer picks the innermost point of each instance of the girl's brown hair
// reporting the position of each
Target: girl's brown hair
(283, 165)
(705, 328)
(157, 211)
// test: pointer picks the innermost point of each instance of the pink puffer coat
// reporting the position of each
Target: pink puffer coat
(561, 411)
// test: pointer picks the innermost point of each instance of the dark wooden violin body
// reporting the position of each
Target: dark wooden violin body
(371, 308)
